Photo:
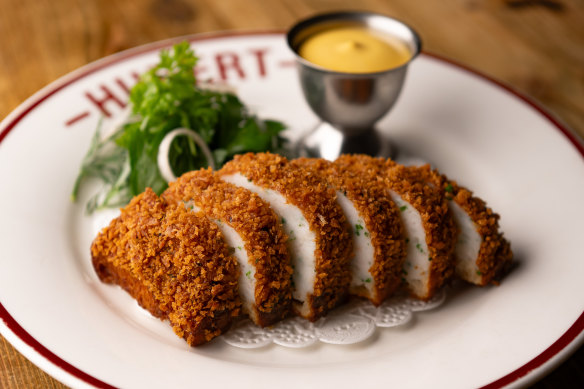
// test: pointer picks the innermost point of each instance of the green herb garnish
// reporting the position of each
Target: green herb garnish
(403, 208)
(449, 188)
(358, 228)
(165, 98)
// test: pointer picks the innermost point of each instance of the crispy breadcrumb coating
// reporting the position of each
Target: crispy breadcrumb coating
(495, 255)
(174, 263)
(381, 216)
(259, 228)
(317, 201)
(429, 202)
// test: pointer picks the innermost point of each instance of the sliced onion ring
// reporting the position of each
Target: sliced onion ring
(164, 149)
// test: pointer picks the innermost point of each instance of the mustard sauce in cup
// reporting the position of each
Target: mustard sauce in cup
(354, 50)
(351, 67)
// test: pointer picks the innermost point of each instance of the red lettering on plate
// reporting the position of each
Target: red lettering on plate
(228, 61)
(122, 85)
(109, 97)
(76, 118)
(287, 63)
(259, 54)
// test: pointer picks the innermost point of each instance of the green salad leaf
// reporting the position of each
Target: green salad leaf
(165, 98)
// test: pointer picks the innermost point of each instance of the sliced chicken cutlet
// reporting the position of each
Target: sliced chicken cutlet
(429, 227)
(254, 235)
(174, 262)
(482, 253)
(319, 238)
(378, 235)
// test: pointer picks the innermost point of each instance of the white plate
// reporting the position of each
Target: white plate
(84, 333)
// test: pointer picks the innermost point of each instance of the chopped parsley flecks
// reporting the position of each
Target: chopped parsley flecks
(429, 258)
(358, 228)
(403, 208)
(248, 274)
(239, 248)
(366, 234)
(367, 280)
(407, 240)
(249, 180)
(449, 188)
(283, 221)
(479, 273)
(419, 247)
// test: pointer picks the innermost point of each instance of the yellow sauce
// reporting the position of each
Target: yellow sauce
(354, 50)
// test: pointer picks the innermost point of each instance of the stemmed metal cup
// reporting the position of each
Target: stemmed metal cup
(350, 103)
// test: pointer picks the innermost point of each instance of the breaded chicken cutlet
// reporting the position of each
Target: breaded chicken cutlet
(429, 226)
(254, 235)
(319, 237)
(378, 235)
(268, 236)
(481, 253)
(174, 263)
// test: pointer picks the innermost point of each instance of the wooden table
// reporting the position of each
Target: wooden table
(534, 46)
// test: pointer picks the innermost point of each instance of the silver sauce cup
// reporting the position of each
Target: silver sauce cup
(351, 102)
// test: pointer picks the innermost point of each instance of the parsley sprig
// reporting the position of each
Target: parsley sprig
(166, 97)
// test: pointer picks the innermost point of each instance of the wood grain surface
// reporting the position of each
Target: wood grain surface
(534, 46)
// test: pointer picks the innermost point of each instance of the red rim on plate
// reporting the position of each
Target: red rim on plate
(27, 107)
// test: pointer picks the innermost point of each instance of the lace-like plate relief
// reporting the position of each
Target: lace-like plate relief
(349, 324)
